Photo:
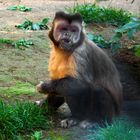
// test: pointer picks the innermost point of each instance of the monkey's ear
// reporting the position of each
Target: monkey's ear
(78, 17)
(59, 14)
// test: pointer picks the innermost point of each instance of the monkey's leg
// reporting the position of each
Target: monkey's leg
(102, 105)
(52, 102)
(79, 105)
(99, 109)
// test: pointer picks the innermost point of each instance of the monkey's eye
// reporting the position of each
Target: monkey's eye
(63, 29)
(73, 30)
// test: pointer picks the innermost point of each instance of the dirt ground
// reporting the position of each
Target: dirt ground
(30, 65)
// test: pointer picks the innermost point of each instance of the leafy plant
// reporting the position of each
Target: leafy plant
(99, 40)
(17, 44)
(118, 130)
(130, 28)
(6, 41)
(19, 118)
(29, 25)
(20, 8)
(22, 42)
(92, 13)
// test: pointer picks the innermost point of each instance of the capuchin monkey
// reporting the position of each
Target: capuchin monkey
(82, 75)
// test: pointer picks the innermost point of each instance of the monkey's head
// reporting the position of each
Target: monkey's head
(66, 32)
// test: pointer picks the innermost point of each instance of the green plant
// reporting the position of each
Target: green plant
(137, 50)
(20, 8)
(37, 135)
(118, 130)
(20, 117)
(29, 25)
(22, 43)
(99, 40)
(18, 43)
(92, 13)
(55, 136)
(6, 41)
(32, 116)
(130, 28)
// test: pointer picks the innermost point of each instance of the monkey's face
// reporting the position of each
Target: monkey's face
(67, 34)
(66, 31)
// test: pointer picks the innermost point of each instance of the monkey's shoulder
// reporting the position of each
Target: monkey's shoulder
(90, 51)
(93, 60)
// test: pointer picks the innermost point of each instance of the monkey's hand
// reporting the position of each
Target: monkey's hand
(45, 87)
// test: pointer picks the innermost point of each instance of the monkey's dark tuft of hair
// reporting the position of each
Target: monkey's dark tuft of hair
(69, 17)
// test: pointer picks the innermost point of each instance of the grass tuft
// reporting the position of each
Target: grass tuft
(92, 13)
(118, 130)
(19, 118)
(38, 135)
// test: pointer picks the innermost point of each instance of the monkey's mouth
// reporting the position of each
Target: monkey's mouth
(66, 41)
(65, 44)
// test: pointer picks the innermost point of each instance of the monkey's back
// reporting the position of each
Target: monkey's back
(96, 68)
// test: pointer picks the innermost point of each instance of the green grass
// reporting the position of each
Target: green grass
(55, 136)
(38, 135)
(92, 13)
(119, 130)
(19, 118)
(18, 88)
(137, 50)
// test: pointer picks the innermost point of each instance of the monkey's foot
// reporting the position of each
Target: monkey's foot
(87, 124)
(67, 123)
(41, 102)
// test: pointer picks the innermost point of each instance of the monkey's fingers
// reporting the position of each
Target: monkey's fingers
(39, 87)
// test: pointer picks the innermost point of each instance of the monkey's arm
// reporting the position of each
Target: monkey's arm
(64, 87)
